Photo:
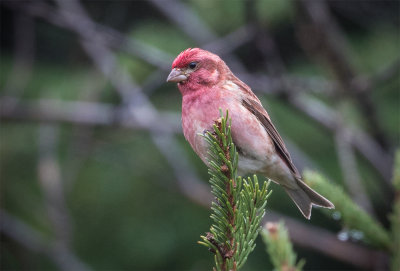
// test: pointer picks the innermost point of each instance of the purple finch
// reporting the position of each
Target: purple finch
(207, 85)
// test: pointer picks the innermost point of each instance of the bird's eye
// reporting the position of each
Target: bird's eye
(192, 65)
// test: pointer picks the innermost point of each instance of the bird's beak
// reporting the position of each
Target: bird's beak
(176, 76)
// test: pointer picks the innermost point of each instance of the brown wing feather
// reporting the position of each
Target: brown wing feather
(256, 109)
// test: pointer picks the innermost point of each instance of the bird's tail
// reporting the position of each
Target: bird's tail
(304, 197)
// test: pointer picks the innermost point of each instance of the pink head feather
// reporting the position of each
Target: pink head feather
(192, 54)
(209, 70)
(182, 59)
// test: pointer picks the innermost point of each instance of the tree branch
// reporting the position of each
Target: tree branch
(328, 43)
(327, 118)
(85, 113)
(141, 112)
(33, 240)
(348, 164)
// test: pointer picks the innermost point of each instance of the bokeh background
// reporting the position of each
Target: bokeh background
(95, 172)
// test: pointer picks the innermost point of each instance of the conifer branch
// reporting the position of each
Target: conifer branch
(350, 214)
(239, 203)
(279, 247)
(395, 216)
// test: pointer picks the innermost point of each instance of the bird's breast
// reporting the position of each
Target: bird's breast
(198, 115)
(199, 112)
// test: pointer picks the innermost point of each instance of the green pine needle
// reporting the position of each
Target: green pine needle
(239, 203)
(280, 248)
(351, 215)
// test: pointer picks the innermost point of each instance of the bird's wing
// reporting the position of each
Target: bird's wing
(255, 107)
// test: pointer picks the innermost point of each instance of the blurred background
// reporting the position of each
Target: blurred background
(95, 171)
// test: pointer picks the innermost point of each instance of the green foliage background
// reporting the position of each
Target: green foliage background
(121, 195)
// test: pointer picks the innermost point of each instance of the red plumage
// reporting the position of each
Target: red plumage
(184, 57)
(207, 85)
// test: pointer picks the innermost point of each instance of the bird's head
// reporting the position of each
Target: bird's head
(195, 69)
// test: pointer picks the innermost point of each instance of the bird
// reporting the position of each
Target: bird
(207, 86)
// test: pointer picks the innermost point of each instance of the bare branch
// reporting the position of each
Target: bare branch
(187, 20)
(329, 119)
(85, 113)
(357, 138)
(314, 109)
(162, 60)
(329, 44)
(35, 241)
(227, 44)
(141, 112)
(177, 164)
(111, 37)
(350, 172)
(368, 148)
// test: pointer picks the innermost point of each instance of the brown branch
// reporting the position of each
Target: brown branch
(229, 250)
(328, 44)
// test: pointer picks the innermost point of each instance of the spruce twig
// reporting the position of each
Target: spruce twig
(279, 247)
(239, 203)
(350, 214)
